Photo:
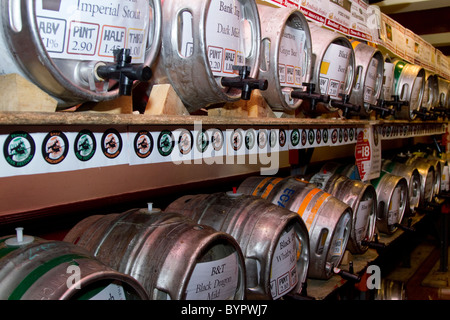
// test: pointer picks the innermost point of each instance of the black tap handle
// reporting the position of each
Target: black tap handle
(423, 114)
(397, 103)
(373, 244)
(440, 111)
(344, 105)
(123, 71)
(382, 108)
(310, 95)
(347, 275)
(407, 227)
(244, 82)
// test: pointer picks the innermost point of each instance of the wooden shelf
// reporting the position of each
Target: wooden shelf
(89, 118)
(402, 128)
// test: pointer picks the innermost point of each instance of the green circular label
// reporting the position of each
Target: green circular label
(295, 137)
(166, 143)
(311, 136)
(250, 139)
(19, 149)
(236, 139)
(325, 135)
(202, 141)
(85, 145)
(272, 138)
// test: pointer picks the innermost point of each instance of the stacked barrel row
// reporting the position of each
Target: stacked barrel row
(211, 52)
(207, 246)
(262, 241)
(137, 254)
(151, 254)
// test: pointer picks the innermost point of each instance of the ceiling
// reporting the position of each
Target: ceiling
(430, 19)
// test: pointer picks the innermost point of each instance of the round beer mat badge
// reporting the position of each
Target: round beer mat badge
(250, 139)
(143, 144)
(185, 141)
(273, 138)
(295, 137)
(351, 134)
(217, 139)
(19, 149)
(166, 143)
(202, 141)
(304, 137)
(111, 143)
(325, 136)
(55, 147)
(236, 139)
(334, 136)
(85, 145)
(262, 139)
(282, 138)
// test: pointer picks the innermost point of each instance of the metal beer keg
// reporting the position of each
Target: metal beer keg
(369, 63)
(333, 73)
(172, 257)
(285, 55)
(210, 51)
(431, 93)
(392, 197)
(70, 49)
(409, 85)
(427, 176)
(32, 268)
(274, 240)
(443, 95)
(412, 176)
(328, 219)
(361, 197)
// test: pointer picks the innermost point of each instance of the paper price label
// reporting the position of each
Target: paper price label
(214, 280)
(429, 185)
(284, 265)
(111, 292)
(291, 55)
(226, 36)
(416, 94)
(370, 83)
(337, 246)
(320, 179)
(388, 80)
(394, 207)
(81, 30)
(362, 219)
(333, 70)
